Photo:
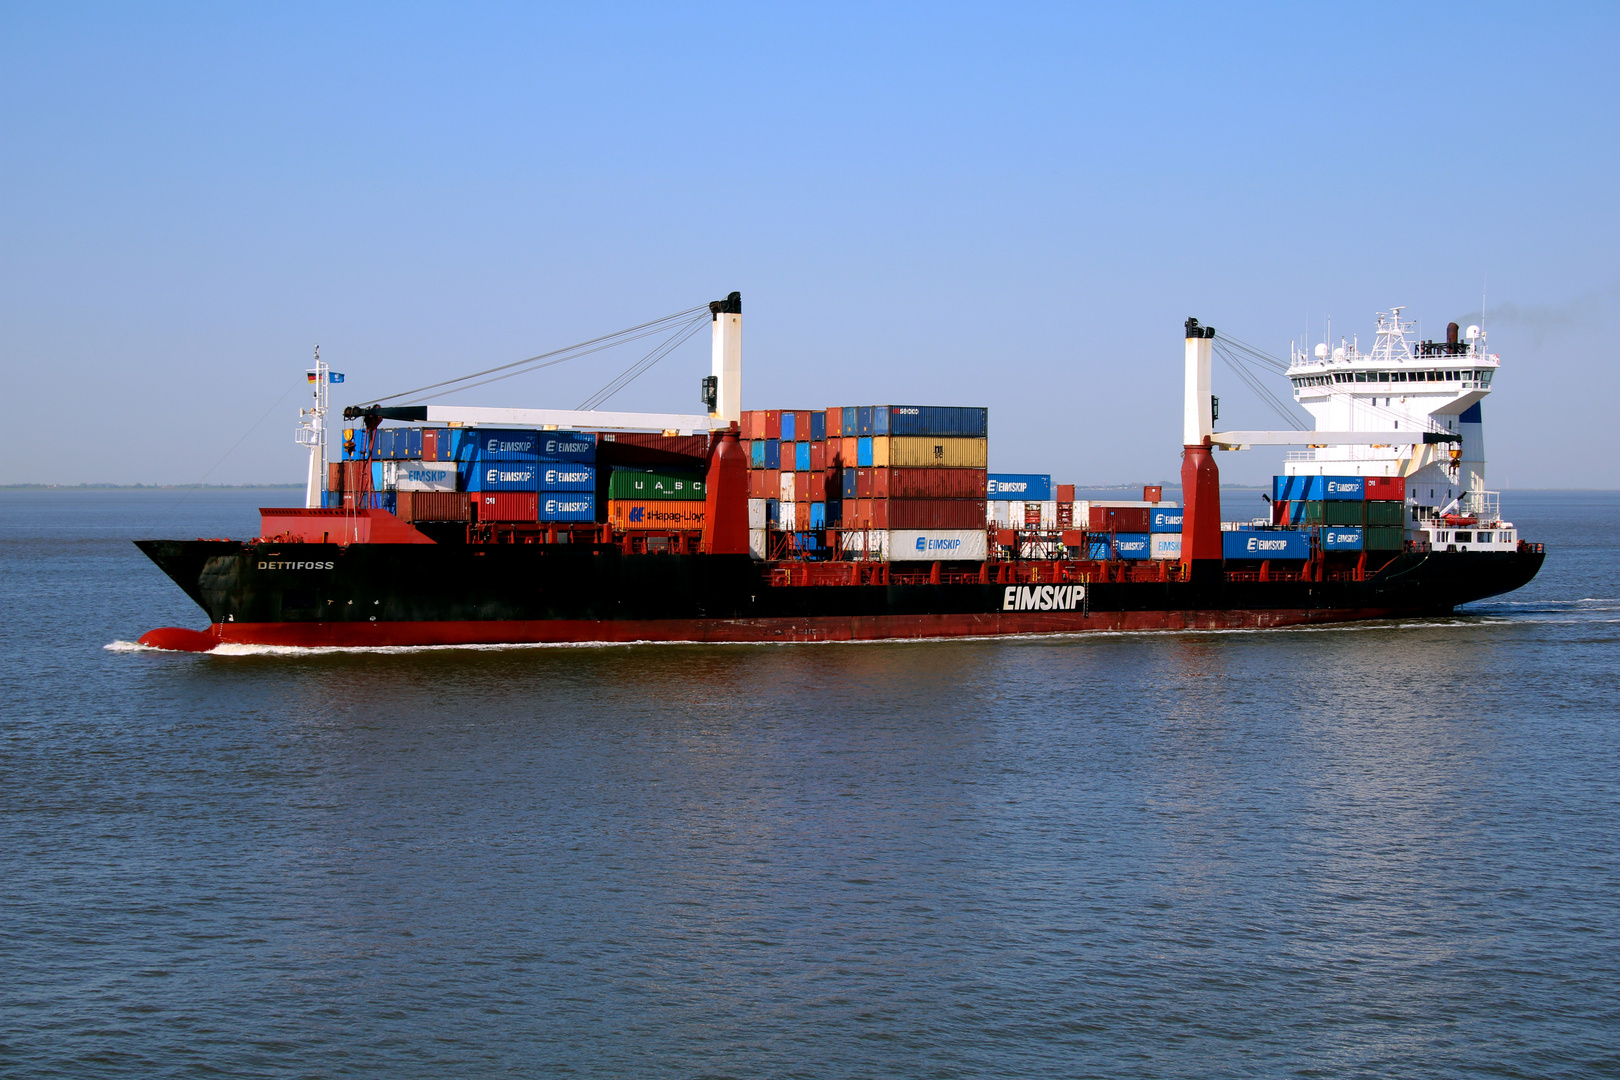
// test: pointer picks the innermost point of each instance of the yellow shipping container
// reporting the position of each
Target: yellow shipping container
(630, 514)
(929, 452)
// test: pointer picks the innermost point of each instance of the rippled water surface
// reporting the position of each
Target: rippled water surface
(1382, 850)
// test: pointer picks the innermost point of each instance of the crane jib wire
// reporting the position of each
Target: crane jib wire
(644, 365)
(557, 356)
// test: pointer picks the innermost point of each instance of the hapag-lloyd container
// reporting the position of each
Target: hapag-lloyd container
(920, 545)
(425, 476)
(1165, 545)
(1035, 487)
(1165, 520)
(633, 514)
(506, 506)
(1265, 544)
(566, 506)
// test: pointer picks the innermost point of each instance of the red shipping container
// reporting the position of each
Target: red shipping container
(1065, 493)
(756, 484)
(863, 483)
(773, 424)
(801, 487)
(433, 506)
(1279, 512)
(334, 476)
(801, 515)
(818, 486)
(430, 444)
(1032, 515)
(1073, 538)
(897, 483)
(650, 448)
(1152, 493)
(507, 506)
(801, 425)
(1119, 519)
(357, 476)
(835, 454)
(1381, 488)
(818, 456)
(857, 513)
(928, 514)
(835, 422)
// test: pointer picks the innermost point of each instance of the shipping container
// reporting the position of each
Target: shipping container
(790, 426)
(787, 489)
(836, 458)
(926, 514)
(1065, 493)
(430, 444)
(1342, 538)
(927, 545)
(1335, 488)
(567, 506)
(357, 476)
(849, 482)
(817, 486)
(756, 454)
(818, 426)
(503, 476)
(629, 515)
(1383, 512)
(835, 513)
(818, 515)
(334, 476)
(801, 514)
(863, 421)
(818, 456)
(892, 483)
(1290, 488)
(773, 424)
(1265, 544)
(331, 500)
(1166, 545)
(756, 513)
(745, 425)
(757, 539)
(801, 425)
(922, 453)
(863, 452)
(434, 506)
(426, 476)
(929, 421)
(1120, 519)
(1165, 520)
(801, 457)
(773, 453)
(1333, 513)
(354, 443)
(834, 422)
(756, 483)
(1029, 486)
(1386, 487)
(646, 484)
(1384, 537)
(1097, 547)
(650, 449)
(506, 506)
(773, 512)
(849, 425)
(1133, 545)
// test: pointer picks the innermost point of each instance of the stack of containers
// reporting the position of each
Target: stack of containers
(521, 475)
(1354, 513)
(655, 499)
(1023, 501)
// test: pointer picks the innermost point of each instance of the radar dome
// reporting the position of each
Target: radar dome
(1338, 354)
(1472, 333)
(1322, 351)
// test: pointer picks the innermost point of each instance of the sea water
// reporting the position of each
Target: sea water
(1385, 849)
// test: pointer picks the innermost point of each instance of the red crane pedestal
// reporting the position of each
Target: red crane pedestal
(725, 509)
(1201, 518)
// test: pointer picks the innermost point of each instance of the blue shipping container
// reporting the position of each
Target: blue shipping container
(1341, 538)
(1336, 489)
(863, 419)
(503, 476)
(863, 452)
(517, 444)
(788, 434)
(408, 444)
(565, 507)
(801, 456)
(1290, 487)
(1132, 545)
(1261, 544)
(818, 515)
(1097, 549)
(773, 453)
(1166, 520)
(773, 515)
(756, 453)
(937, 420)
(835, 513)
(556, 476)
(849, 417)
(818, 426)
(1030, 487)
(846, 484)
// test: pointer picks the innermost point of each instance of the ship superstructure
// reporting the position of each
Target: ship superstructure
(1400, 386)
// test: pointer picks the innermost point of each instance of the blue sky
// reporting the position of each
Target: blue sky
(920, 204)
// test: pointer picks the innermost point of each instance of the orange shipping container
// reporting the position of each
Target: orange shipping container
(628, 515)
(334, 476)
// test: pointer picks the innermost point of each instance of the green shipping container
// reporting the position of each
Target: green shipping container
(1383, 512)
(643, 484)
(1383, 537)
(1334, 513)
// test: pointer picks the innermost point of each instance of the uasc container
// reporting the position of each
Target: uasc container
(655, 484)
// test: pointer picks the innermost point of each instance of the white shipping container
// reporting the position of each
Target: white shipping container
(756, 514)
(907, 545)
(787, 486)
(1049, 515)
(422, 475)
(756, 537)
(1164, 546)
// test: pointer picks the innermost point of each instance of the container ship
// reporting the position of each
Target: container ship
(455, 525)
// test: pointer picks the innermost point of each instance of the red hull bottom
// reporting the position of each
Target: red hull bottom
(865, 628)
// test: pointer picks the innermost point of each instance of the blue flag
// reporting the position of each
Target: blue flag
(335, 376)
